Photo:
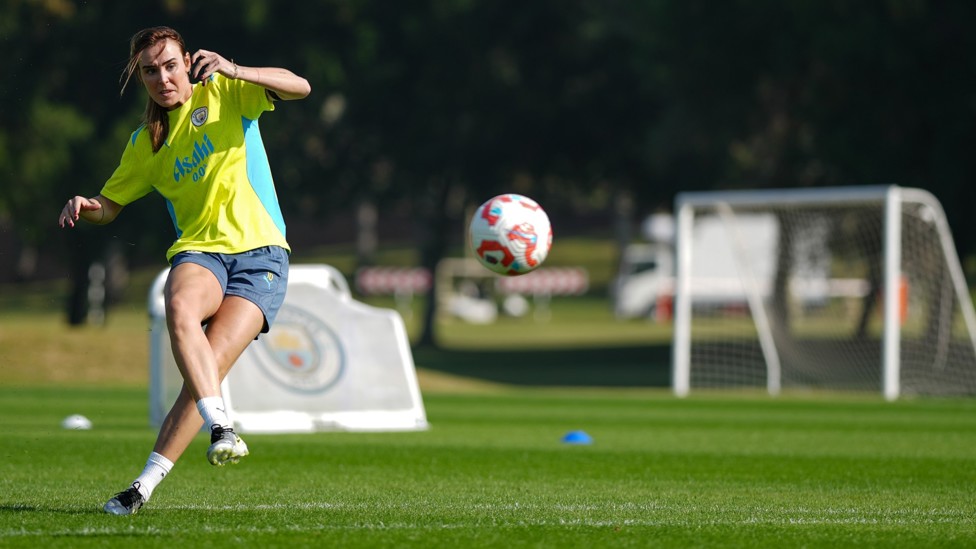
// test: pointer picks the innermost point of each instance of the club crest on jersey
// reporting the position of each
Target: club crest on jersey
(199, 116)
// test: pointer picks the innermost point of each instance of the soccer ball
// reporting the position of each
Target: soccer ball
(510, 234)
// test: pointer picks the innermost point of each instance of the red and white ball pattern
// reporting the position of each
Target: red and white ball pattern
(510, 234)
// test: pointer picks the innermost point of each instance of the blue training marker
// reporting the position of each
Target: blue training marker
(577, 437)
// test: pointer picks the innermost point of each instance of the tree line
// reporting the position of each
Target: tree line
(433, 105)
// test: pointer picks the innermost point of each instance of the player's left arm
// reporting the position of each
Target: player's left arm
(281, 83)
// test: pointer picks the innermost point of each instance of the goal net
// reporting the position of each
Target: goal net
(854, 288)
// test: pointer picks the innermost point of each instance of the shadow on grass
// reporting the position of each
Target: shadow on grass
(633, 366)
(15, 508)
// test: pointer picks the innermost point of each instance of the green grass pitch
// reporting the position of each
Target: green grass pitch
(708, 471)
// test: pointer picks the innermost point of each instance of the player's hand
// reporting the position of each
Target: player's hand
(204, 63)
(72, 210)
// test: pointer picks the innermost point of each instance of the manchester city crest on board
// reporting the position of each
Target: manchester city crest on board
(199, 116)
(303, 354)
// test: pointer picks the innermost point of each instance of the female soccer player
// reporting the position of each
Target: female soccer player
(200, 147)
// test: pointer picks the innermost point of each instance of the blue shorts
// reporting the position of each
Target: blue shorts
(259, 275)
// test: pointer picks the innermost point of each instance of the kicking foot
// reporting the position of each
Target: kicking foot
(225, 446)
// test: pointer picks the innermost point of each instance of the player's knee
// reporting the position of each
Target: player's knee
(183, 313)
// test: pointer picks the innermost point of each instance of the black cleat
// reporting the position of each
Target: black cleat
(126, 502)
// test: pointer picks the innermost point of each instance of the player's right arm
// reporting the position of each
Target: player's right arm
(97, 210)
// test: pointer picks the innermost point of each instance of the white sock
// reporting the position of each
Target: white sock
(157, 467)
(213, 411)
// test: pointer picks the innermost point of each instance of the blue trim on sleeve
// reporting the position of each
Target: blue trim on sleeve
(259, 172)
(135, 134)
(172, 217)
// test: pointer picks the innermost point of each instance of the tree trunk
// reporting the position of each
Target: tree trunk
(366, 238)
(80, 262)
(437, 222)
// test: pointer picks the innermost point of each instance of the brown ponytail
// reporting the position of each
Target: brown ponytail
(155, 117)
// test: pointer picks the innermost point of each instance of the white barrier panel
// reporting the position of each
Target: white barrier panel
(393, 280)
(328, 363)
(548, 280)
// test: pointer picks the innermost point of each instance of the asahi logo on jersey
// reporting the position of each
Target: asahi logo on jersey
(194, 165)
(199, 116)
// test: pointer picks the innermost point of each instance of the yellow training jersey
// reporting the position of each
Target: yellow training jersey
(212, 170)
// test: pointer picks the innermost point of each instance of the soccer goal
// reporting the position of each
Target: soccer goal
(851, 288)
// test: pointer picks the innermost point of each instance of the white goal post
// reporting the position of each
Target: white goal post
(849, 288)
(328, 363)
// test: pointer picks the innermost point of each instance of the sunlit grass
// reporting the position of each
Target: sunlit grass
(716, 471)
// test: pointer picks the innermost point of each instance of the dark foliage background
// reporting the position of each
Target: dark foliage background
(423, 108)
